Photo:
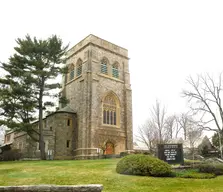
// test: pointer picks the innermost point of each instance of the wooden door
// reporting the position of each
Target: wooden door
(109, 148)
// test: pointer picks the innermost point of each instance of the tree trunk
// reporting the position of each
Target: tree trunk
(150, 147)
(193, 155)
(185, 134)
(41, 140)
(160, 136)
(220, 144)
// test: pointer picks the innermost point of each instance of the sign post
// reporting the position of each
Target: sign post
(171, 153)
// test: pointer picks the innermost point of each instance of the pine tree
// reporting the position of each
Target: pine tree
(215, 139)
(16, 104)
(205, 147)
(30, 79)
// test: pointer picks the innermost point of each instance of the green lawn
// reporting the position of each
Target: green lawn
(98, 172)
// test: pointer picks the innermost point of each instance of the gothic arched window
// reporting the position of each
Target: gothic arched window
(111, 110)
(104, 66)
(79, 67)
(115, 72)
(71, 72)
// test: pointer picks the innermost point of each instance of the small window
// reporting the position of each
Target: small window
(68, 122)
(68, 143)
(8, 138)
(114, 118)
(104, 117)
(79, 67)
(51, 128)
(71, 75)
(115, 72)
(71, 72)
(79, 70)
(104, 66)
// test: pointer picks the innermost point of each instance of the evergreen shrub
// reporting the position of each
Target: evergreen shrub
(192, 162)
(145, 165)
(216, 169)
(11, 155)
(123, 154)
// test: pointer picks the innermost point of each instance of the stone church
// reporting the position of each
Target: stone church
(98, 117)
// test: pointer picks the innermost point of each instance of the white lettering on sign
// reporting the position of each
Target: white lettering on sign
(170, 154)
(170, 146)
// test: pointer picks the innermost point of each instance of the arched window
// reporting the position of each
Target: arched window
(79, 67)
(115, 72)
(71, 72)
(104, 66)
(111, 110)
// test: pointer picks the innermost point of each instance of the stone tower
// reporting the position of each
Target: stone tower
(98, 88)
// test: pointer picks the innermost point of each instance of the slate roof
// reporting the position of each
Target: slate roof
(66, 109)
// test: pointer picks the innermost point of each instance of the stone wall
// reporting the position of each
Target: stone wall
(9, 137)
(27, 146)
(92, 39)
(63, 140)
(103, 84)
(59, 138)
(52, 188)
(77, 93)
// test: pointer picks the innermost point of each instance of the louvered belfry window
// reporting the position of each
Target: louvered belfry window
(104, 66)
(115, 72)
(79, 67)
(71, 72)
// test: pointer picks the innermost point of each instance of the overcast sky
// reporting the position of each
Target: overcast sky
(167, 40)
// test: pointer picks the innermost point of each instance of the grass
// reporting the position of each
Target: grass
(98, 172)
(194, 173)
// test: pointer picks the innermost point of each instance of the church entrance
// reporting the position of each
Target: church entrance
(109, 148)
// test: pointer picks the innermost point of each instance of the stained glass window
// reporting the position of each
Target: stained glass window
(110, 110)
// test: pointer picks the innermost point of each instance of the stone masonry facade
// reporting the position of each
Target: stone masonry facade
(86, 92)
(59, 132)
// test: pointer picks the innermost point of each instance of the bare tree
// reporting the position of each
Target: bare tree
(172, 127)
(158, 118)
(178, 128)
(205, 99)
(148, 135)
(154, 131)
(193, 135)
(185, 121)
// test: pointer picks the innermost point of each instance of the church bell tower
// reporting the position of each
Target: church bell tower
(98, 88)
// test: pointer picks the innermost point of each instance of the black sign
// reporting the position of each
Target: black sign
(171, 153)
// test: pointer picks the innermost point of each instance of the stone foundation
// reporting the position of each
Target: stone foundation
(52, 188)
